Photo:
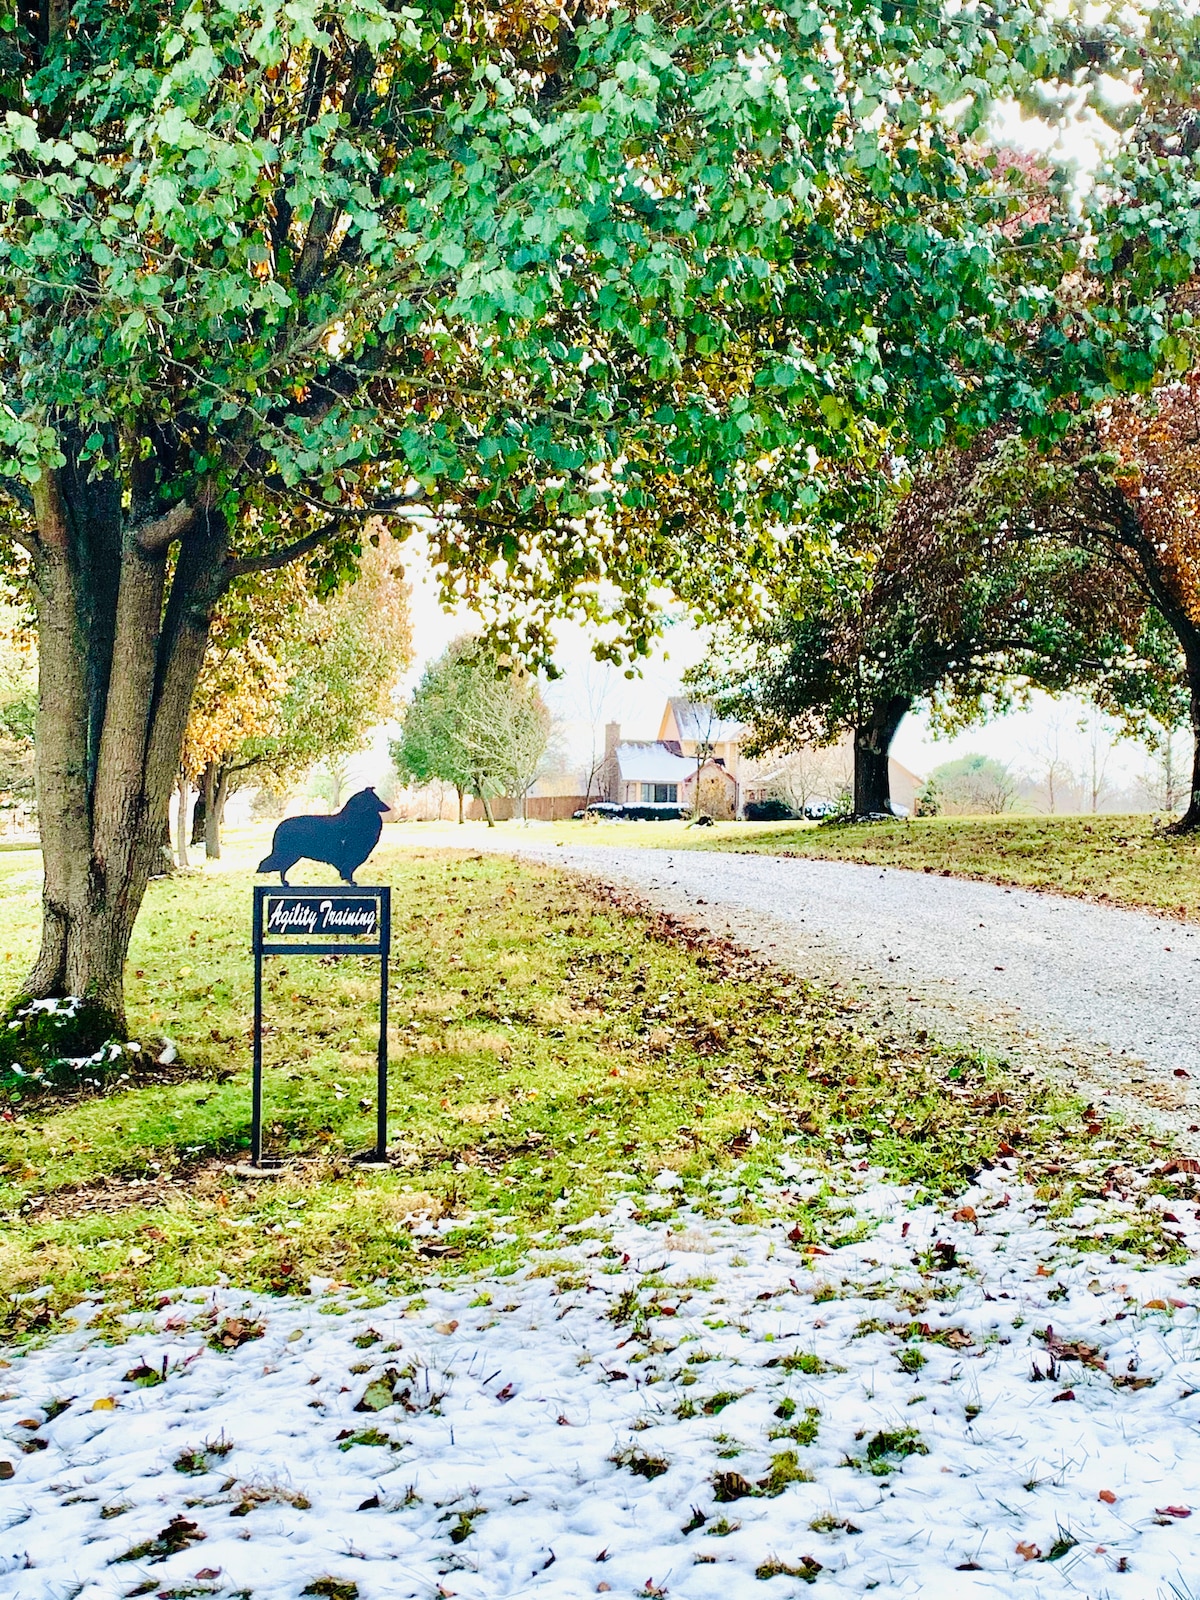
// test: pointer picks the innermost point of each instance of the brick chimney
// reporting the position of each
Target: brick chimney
(609, 776)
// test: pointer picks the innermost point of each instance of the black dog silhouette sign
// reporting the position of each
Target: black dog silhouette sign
(344, 840)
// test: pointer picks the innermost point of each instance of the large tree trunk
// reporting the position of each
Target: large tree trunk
(165, 865)
(117, 672)
(872, 744)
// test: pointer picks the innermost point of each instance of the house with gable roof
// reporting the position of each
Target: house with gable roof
(695, 748)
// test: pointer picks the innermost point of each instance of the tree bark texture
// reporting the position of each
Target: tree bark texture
(1162, 591)
(197, 834)
(224, 778)
(872, 744)
(1190, 820)
(212, 814)
(181, 826)
(165, 864)
(122, 631)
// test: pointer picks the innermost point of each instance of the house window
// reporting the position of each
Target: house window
(660, 794)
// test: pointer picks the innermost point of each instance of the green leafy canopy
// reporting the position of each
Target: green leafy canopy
(590, 287)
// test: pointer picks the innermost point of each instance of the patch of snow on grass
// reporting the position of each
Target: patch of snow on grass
(955, 1406)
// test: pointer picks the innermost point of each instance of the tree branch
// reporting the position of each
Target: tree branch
(285, 554)
(16, 491)
(159, 532)
(270, 560)
(26, 538)
(244, 766)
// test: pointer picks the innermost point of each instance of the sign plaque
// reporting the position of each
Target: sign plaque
(341, 919)
(345, 916)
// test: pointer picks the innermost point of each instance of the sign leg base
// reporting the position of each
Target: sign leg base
(271, 1167)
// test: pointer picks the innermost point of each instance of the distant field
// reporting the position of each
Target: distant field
(1122, 860)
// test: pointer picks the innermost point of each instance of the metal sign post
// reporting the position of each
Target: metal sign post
(343, 920)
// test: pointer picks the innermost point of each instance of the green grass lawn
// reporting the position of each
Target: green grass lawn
(550, 1046)
(1120, 860)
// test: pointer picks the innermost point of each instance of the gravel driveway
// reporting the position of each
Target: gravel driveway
(1113, 996)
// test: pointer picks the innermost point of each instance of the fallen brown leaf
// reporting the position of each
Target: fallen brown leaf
(729, 1486)
(1073, 1350)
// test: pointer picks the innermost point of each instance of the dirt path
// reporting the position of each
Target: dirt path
(1108, 998)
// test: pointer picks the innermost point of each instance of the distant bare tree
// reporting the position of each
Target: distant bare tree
(527, 732)
(1050, 764)
(1166, 779)
(707, 719)
(974, 785)
(811, 773)
(1094, 784)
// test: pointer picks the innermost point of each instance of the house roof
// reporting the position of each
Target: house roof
(694, 720)
(649, 761)
(898, 766)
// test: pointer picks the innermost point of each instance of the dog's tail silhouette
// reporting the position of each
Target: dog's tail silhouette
(270, 864)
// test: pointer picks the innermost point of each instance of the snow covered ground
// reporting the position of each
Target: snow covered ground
(602, 1421)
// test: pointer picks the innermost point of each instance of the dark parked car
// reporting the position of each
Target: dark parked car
(769, 811)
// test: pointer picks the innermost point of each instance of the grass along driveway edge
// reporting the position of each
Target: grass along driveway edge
(553, 1046)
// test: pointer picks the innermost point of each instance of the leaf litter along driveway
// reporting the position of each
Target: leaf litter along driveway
(966, 1403)
(1114, 993)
